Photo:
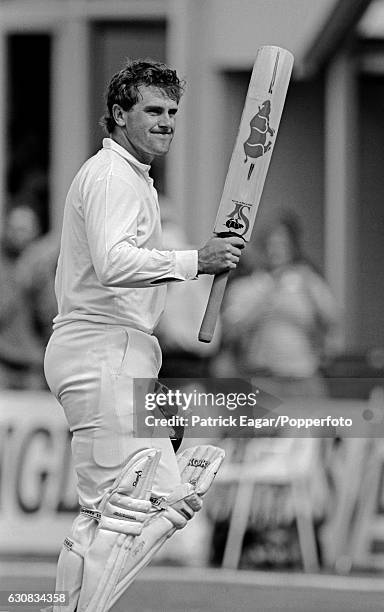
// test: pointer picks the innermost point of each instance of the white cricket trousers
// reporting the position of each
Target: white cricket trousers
(90, 369)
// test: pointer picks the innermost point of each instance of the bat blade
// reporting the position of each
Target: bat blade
(255, 142)
(250, 160)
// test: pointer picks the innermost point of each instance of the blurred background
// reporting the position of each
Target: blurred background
(304, 313)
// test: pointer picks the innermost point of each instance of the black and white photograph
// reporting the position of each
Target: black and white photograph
(191, 306)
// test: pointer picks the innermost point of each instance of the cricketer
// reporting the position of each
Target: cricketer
(110, 286)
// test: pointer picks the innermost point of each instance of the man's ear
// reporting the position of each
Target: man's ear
(118, 114)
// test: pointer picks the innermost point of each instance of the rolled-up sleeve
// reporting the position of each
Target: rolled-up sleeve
(111, 209)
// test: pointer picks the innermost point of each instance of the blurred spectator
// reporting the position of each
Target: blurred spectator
(281, 321)
(36, 274)
(183, 355)
(20, 353)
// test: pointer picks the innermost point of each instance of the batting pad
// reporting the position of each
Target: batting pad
(123, 511)
(198, 467)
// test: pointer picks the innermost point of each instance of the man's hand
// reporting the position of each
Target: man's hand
(220, 254)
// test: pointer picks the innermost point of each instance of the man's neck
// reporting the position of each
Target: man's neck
(120, 137)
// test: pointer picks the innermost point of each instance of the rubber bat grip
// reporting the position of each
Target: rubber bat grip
(213, 307)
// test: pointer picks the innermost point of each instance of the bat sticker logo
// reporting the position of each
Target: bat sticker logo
(260, 138)
(237, 219)
(258, 142)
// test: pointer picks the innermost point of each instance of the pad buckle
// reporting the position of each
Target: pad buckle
(94, 514)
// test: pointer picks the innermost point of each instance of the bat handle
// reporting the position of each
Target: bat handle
(213, 307)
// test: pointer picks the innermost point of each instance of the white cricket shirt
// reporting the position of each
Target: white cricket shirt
(111, 268)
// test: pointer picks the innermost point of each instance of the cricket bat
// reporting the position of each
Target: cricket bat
(250, 161)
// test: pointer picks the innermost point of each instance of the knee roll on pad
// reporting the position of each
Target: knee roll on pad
(198, 467)
(121, 515)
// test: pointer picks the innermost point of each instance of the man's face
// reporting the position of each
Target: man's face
(21, 228)
(150, 124)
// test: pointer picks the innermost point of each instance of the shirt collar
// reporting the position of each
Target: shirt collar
(109, 143)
